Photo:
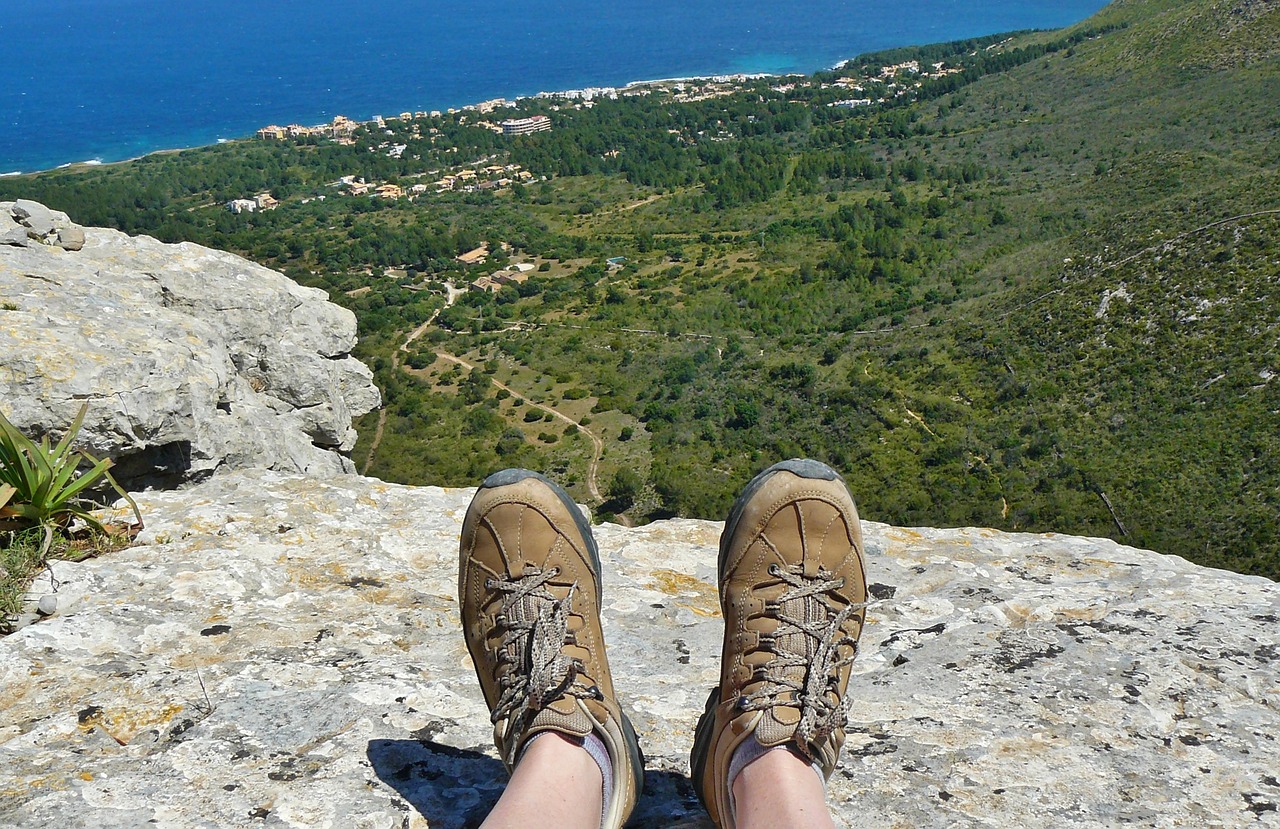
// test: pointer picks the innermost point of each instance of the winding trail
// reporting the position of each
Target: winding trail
(397, 363)
(597, 445)
(397, 357)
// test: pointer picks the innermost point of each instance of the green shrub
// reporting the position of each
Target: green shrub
(40, 495)
(625, 487)
(39, 484)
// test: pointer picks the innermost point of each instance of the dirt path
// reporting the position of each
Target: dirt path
(397, 358)
(597, 445)
(396, 361)
(640, 203)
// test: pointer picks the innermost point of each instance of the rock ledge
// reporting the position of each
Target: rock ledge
(191, 360)
(284, 651)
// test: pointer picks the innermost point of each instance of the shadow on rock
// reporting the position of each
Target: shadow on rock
(668, 802)
(454, 788)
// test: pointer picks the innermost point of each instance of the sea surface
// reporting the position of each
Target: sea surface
(104, 80)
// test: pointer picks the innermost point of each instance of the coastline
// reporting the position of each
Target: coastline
(100, 162)
(241, 79)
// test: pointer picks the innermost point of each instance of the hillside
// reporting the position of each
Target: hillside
(1030, 284)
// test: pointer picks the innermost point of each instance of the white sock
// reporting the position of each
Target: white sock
(596, 748)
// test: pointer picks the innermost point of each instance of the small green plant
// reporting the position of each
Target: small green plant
(20, 561)
(41, 485)
(41, 491)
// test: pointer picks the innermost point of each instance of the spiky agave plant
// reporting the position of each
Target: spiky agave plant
(40, 484)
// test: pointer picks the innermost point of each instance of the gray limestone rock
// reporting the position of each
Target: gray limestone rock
(37, 218)
(71, 238)
(191, 360)
(11, 233)
(284, 650)
(355, 382)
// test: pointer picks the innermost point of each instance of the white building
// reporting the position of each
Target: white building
(524, 126)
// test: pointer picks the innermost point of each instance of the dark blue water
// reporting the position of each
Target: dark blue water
(112, 79)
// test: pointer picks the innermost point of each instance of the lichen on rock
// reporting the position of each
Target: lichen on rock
(284, 650)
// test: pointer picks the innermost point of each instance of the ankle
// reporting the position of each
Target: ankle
(554, 753)
(779, 787)
(554, 778)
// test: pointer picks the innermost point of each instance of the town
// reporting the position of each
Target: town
(875, 85)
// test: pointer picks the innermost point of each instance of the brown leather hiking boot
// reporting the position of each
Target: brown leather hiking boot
(529, 590)
(793, 592)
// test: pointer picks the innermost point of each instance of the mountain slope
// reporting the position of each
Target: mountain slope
(1036, 292)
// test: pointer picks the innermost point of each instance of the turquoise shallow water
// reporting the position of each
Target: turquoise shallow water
(112, 79)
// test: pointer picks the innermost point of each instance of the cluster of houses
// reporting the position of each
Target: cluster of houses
(480, 179)
(354, 186)
(493, 177)
(680, 89)
(262, 201)
(495, 282)
(896, 78)
(340, 129)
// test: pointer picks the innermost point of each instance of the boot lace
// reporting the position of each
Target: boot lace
(821, 631)
(535, 630)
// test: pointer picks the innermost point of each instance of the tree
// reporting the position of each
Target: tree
(625, 487)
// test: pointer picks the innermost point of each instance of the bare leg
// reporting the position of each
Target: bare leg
(779, 789)
(555, 784)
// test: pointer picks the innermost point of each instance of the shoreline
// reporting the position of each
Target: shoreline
(101, 162)
(739, 76)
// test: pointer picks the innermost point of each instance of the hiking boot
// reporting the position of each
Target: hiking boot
(793, 593)
(529, 590)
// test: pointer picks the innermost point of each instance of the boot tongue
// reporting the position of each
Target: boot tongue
(778, 725)
(564, 715)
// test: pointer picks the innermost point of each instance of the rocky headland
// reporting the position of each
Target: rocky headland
(281, 647)
(191, 360)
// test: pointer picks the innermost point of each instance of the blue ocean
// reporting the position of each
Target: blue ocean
(106, 80)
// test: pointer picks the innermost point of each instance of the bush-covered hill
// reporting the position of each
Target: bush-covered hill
(1034, 290)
